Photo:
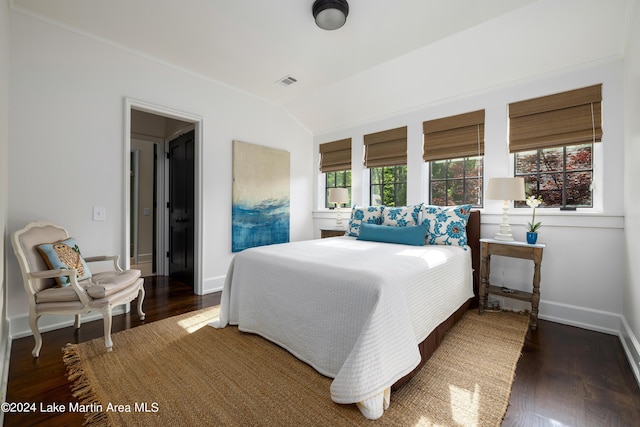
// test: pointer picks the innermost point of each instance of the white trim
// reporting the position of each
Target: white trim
(631, 348)
(582, 317)
(214, 284)
(559, 219)
(136, 189)
(130, 104)
(7, 359)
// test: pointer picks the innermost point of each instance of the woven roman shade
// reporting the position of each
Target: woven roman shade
(386, 148)
(335, 156)
(567, 118)
(454, 137)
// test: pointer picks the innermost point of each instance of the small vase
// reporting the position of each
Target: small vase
(532, 237)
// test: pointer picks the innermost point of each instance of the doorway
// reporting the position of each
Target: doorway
(163, 152)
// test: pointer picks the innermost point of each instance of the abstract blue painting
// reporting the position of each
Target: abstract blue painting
(260, 207)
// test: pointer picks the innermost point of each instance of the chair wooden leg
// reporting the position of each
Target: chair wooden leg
(141, 294)
(78, 321)
(107, 327)
(33, 322)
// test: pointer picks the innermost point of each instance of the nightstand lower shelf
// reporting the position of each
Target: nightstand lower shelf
(514, 293)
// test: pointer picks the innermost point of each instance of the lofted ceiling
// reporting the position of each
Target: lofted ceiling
(390, 56)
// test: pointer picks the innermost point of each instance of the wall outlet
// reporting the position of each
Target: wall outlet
(495, 302)
(99, 213)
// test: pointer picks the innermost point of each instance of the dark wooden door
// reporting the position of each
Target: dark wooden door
(181, 208)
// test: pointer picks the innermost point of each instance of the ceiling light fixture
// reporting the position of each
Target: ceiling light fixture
(330, 14)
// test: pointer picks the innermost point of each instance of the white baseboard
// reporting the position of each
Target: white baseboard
(586, 318)
(20, 324)
(6, 346)
(631, 348)
(212, 285)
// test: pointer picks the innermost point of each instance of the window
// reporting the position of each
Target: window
(389, 185)
(561, 175)
(385, 154)
(454, 148)
(335, 163)
(337, 179)
(456, 181)
(552, 139)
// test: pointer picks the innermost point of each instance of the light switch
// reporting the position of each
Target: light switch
(99, 213)
(147, 211)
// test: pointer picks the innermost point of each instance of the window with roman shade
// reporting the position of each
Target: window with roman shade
(454, 136)
(566, 118)
(552, 139)
(385, 155)
(454, 148)
(335, 163)
(386, 148)
(335, 156)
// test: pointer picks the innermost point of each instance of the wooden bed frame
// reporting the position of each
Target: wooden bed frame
(431, 343)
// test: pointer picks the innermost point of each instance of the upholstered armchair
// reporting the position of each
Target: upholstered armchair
(57, 279)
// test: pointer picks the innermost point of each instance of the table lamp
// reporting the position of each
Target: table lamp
(505, 189)
(338, 196)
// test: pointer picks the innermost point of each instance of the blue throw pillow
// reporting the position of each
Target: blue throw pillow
(410, 235)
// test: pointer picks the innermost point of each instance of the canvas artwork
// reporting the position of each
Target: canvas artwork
(260, 196)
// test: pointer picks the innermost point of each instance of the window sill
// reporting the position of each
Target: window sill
(581, 218)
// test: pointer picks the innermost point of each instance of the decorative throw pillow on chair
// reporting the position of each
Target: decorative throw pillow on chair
(64, 254)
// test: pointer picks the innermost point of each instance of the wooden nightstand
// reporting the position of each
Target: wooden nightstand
(331, 232)
(514, 249)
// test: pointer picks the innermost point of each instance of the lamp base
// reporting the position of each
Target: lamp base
(505, 237)
(504, 231)
(338, 218)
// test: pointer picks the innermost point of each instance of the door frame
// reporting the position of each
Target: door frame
(135, 104)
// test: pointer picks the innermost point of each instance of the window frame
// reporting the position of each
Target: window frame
(395, 184)
(563, 206)
(346, 181)
(463, 180)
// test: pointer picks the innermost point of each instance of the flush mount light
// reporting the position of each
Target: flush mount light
(330, 14)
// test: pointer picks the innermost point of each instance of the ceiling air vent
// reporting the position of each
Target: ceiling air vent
(286, 81)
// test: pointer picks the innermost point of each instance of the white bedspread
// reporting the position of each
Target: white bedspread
(353, 310)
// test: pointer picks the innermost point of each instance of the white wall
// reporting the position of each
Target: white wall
(631, 291)
(5, 346)
(67, 109)
(583, 265)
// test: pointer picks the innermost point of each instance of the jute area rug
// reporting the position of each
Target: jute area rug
(180, 371)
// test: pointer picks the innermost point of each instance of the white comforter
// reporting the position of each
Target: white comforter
(353, 310)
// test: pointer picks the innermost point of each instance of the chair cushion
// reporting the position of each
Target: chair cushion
(64, 254)
(101, 285)
(56, 294)
(104, 284)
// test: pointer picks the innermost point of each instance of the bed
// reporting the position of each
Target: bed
(364, 313)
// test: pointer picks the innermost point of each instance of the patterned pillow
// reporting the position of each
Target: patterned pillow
(366, 214)
(64, 254)
(446, 225)
(401, 216)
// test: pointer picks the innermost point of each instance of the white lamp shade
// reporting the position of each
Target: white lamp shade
(506, 189)
(338, 195)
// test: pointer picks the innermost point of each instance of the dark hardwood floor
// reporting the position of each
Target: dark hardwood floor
(566, 376)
